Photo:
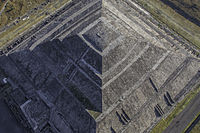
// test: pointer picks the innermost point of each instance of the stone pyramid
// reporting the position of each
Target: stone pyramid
(100, 66)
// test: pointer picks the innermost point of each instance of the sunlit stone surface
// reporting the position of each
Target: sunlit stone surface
(105, 69)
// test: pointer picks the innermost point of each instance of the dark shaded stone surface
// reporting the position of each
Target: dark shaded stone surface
(94, 60)
(8, 124)
(95, 76)
(56, 83)
(73, 46)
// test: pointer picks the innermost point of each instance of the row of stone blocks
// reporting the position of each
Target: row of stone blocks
(75, 12)
(56, 85)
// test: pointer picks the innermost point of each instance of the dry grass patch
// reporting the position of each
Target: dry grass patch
(173, 20)
(164, 123)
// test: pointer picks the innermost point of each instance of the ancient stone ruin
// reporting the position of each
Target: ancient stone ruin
(100, 66)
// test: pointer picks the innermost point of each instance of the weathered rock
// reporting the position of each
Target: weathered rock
(102, 69)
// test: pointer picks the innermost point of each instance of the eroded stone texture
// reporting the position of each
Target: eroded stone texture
(109, 72)
(60, 90)
(100, 36)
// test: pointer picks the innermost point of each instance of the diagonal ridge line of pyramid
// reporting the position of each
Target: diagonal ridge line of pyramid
(99, 66)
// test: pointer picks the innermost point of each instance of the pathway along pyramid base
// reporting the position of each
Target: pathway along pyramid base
(99, 67)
